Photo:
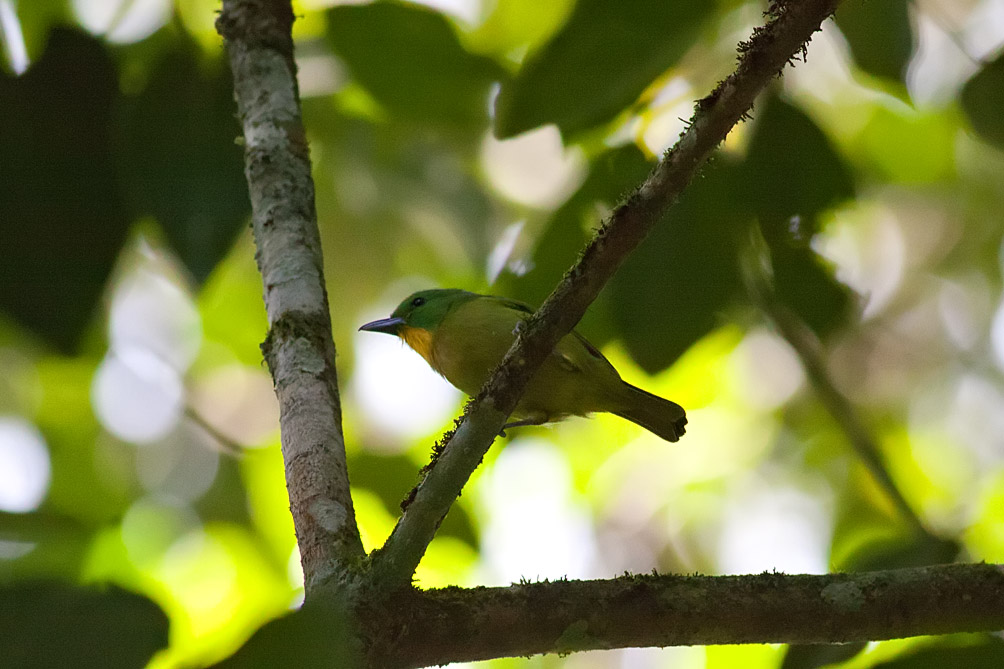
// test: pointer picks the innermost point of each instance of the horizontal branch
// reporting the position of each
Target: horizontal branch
(761, 59)
(418, 628)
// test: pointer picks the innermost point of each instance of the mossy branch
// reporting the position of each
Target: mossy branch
(771, 47)
(419, 628)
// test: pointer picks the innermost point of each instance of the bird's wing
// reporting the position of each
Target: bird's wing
(515, 305)
(573, 352)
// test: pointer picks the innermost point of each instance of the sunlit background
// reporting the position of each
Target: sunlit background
(148, 456)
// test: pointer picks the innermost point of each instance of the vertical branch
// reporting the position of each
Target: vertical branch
(299, 348)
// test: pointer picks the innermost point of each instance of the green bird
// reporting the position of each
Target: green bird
(464, 336)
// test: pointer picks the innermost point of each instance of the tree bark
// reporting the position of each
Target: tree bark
(415, 629)
(298, 349)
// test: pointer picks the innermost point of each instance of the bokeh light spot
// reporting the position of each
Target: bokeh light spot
(25, 470)
(534, 528)
(535, 168)
(397, 389)
(123, 21)
(136, 395)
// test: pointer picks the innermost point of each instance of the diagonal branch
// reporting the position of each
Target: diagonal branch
(417, 628)
(757, 274)
(771, 47)
(808, 349)
(299, 348)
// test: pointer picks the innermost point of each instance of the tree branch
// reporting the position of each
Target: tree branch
(419, 628)
(771, 47)
(299, 348)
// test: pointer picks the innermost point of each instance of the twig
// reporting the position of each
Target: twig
(756, 275)
(224, 443)
(771, 47)
(299, 349)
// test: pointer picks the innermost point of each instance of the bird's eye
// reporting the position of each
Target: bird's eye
(418, 301)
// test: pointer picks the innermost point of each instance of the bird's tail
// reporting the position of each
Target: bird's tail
(660, 417)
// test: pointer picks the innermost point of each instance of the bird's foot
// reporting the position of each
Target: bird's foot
(536, 420)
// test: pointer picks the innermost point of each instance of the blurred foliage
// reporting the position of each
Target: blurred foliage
(597, 64)
(193, 187)
(983, 103)
(420, 71)
(48, 625)
(138, 440)
(879, 35)
(64, 222)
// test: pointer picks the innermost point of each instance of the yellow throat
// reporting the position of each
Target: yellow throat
(420, 340)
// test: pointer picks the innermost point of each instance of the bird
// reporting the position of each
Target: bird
(464, 336)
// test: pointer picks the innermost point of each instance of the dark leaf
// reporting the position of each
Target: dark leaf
(792, 174)
(983, 101)
(180, 162)
(792, 171)
(37, 18)
(410, 59)
(901, 552)
(813, 655)
(61, 217)
(672, 290)
(986, 655)
(597, 64)
(55, 625)
(313, 637)
(805, 283)
(879, 34)
(867, 538)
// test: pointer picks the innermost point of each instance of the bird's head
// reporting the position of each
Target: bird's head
(423, 310)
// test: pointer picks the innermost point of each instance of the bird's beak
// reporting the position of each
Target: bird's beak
(385, 325)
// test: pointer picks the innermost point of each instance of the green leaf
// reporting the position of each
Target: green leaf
(512, 25)
(806, 284)
(226, 500)
(792, 170)
(37, 18)
(813, 655)
(315, 637)
(55, 625)
(180, 162)
(901, 552)
(672, 289)
(986, 655)
(597, 64)
(61, 217)
(983, 101)
(410, 59)
(612, 175)
(879, 34)
(792, 174)
(909, 146)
